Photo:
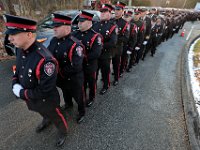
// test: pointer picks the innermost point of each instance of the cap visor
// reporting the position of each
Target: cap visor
(12, 31)
(118, 8)
(127, 15)
(80, 19)
(56, 24)
(104, 10)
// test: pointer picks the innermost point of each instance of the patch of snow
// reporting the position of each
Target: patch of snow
(194, 82)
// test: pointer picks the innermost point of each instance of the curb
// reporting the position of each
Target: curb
(191, 114)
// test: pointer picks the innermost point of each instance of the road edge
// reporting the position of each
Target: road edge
(190, 112)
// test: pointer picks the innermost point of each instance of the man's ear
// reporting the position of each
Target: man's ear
(30, 34)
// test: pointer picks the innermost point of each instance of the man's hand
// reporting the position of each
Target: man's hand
(16, 89)
(129, 52)
(145, 43)
(147, 37)
(137, 48)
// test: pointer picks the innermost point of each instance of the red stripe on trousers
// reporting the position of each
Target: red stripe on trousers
(62, 118)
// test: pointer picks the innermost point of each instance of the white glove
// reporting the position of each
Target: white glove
(137, 48)
(147, 37)
(129, 52)
(145, 43)
(16, 89)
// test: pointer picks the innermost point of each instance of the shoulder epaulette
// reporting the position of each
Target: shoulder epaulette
(75, 40)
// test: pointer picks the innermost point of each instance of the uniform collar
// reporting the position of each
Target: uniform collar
(64, 38)
(32, 48)
(104, 21)
(85, 32)
(118, 18)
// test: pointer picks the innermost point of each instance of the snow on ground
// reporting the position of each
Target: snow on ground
(194, 82)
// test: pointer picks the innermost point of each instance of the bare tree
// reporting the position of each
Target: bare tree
(8, 6)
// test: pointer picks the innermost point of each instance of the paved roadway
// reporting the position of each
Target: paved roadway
(144, 112)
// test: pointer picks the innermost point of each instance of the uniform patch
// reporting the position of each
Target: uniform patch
(128, 27)
(49, 68)
(136, 29)
(116, 31)
(79, 51)
(99, 40)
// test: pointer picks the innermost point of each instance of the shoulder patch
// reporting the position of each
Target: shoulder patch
(128, 27)
(49, 68)
(116, 30)
(99, 41)
(79, 51)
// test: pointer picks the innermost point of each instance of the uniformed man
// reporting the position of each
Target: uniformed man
(161, 29)
(153, 11)
(154, 34)
(123, 35)
(93, 46)
(147, 30)
(35, 78)
(168, 26)
(140, 36)
(108, 30)
(128, 49)
(69, 52)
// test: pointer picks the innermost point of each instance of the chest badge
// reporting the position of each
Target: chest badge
(79, 51)
(49, 68)
(99, 40)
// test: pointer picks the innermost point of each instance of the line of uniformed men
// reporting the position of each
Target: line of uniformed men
(77, 57)
(122, 40)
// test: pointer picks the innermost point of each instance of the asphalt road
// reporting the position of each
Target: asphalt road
(144, 112)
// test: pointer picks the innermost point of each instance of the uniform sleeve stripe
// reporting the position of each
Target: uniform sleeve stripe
(112, 29)
(125, 27)
(38, 68)
(71, 52)
(93, 39)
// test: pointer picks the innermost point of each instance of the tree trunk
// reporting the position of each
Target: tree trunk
(9, 7)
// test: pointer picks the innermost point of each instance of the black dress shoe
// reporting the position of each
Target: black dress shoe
(90, 103)
(103, 91)
(66, 106)
(80, 119)
(121, 75)
(115, 83)
(61, 140)
(44, 124)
